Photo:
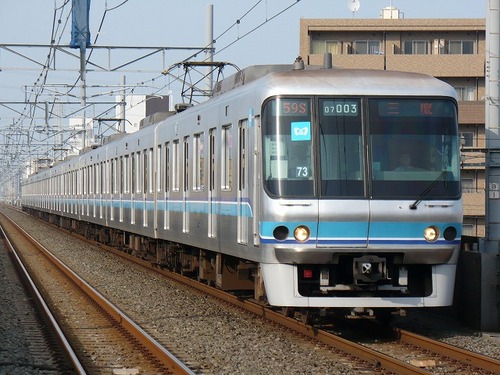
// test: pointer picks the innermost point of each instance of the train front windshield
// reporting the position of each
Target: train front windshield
(356, 148)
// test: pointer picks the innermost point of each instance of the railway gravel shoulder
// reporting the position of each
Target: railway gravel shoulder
(217, 339)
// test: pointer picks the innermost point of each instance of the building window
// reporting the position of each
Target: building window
(323, 46)
(366, 47)
(467, 139)
(416, 47)
(461, 47)
(465, 93)
(468, 185)
(468, 229)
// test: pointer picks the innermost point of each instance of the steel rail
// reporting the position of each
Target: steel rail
(161, 354)
(458, 354)
(376, 359)
(43, 308)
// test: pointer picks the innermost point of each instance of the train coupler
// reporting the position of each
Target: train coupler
(369, 269)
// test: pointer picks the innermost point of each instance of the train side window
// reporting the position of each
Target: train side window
(94, 179)
(138, 172)
(121, 174)
(159, 169)
(91, 179)
(175, 166)
(84, 180)
(199, 160)
(212, 151)
(107, 182)
(226, 159)
(126, 181)
(112, 176)
(242, 155)
(149, 172)
(186, 163)
(145, 172)
(98, 178)
(132, 173)
(167, 167)
(115, 176)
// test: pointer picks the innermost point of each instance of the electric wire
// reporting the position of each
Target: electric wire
(58, 28)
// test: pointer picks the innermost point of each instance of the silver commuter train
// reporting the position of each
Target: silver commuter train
(316, 188)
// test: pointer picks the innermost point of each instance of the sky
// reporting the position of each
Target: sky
(247, 32)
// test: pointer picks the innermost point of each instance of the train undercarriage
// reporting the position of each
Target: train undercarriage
(215, 269)
(221, 271)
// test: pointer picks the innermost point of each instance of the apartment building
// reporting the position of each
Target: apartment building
(452, 50)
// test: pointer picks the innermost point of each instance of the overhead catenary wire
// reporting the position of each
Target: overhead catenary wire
(60, 22)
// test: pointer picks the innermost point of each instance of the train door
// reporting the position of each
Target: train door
(157, 184)
(92, 192)
(99, 187)
(166, 210)
(254, 170)
(185, 187)
(133, 181)
(212, 192)
(146, 174)
(243, 206)
(146, 182)
(343, 210)
(121, 181)
(112, 189)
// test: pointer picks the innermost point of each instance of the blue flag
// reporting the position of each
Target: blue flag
(80, 32)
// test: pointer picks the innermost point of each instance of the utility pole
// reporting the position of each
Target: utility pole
(209, 45)
(490, 245)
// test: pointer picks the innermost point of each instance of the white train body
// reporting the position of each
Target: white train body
(295, 172)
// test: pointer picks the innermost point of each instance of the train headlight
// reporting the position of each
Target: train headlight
(431, 233)
(301, 233)
(280, 233)
(450, 234)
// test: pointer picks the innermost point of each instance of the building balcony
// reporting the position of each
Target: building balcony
(434, 65)
(473, 159)
(438, 65)
(471, 112)
(350, 61)
(474, 203)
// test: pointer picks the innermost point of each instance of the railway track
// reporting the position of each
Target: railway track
(391, 356)
(104, 339)
(408, 354)
(46, 350)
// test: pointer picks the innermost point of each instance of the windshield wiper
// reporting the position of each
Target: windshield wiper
(414, 205)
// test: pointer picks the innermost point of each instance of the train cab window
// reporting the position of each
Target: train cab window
(414, 148)
(341, 148)
(287, 147)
